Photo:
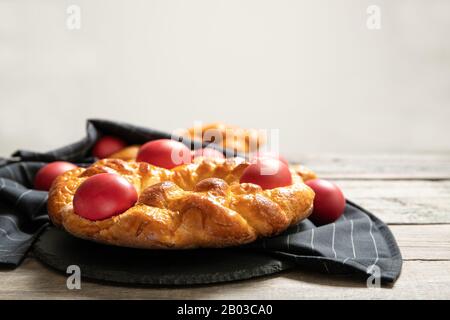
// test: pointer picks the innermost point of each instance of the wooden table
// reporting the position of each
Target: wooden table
(409, 192)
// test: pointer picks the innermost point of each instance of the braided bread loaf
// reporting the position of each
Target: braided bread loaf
(195, 205)
(127, 153)
(229, 137)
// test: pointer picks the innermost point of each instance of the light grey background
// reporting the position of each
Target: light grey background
(309, 68)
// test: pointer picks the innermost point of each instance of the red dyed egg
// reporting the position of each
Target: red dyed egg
(107, 145)
(329, 201)
(48, 173)
(164, 153)
(267, 173)
(103, 196)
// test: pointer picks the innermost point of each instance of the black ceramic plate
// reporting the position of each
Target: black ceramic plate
(59, 249)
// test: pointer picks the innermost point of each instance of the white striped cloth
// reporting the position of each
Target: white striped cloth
(356, 242)
(23, 212)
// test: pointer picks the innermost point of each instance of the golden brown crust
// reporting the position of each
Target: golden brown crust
(127, 154)
(304, 172)
(229, 137)
(195, 205)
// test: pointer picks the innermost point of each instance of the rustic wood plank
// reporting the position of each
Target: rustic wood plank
(379, 166)
(423, 242)
(419, 280)
(418, 202)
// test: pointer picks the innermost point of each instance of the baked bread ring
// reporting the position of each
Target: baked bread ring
(127, 153)
(229, 137)
(195, 205)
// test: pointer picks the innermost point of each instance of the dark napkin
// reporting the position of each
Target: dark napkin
(358, 242)
(95, 128)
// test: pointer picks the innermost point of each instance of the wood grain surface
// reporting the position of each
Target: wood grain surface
(410, 192)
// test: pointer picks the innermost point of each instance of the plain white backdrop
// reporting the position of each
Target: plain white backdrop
(309, 68)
